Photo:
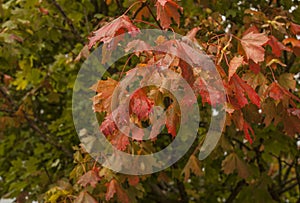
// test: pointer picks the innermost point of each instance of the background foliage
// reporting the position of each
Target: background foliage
(42, 48)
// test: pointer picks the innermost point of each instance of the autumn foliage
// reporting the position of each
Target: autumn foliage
(255, 50)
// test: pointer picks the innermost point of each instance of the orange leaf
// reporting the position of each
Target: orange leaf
(105, 89)
(234, 64)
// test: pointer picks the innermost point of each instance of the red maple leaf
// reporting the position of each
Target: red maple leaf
(119, 140)
(295, 28)
(275, 91)
(295, 44)
(133, 180)
(111, 189)
(167, 9)
(254, 67)
(240, 87)
(108, 126)
(109, 31)
(209, 94)
(90, 178)
(140, 104)
(277, 47)
(252, 44)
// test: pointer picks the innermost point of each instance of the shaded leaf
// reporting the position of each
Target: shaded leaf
(85, 197)
(193, 165)
(277, 47)
(232, 162)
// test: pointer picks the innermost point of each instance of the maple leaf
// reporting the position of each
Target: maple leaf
(133, 180)
(140, 104)
(172, 119)
(295, 43)
(234, 64)
(108, 126)
(119, 140)
(109, 31)
(85, 197)
(187, 72)
(291, 124)
(193, 165)
(114, 188)
(287, 81)
(167, 9)
(240, 87)
(232, 162)
(111, 189)
(295, 28)
(105, 89)
(91, 177)
(275, 91)
(209, 94)
(270, 110)
(252, 44)
(251, 29)
(277, 47)
(254, 67)
(246, 129)
(238, 119)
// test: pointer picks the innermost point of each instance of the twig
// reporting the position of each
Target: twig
(68, 20)
(139, 9)
(152, 14)
(236, 191)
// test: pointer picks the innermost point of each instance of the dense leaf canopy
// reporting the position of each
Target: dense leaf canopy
(255, 46)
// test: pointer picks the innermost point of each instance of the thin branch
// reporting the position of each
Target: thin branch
(68, 20)
(236, 191)
(139, 9)
(288, 188)
(152, 14)
(182, 192)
